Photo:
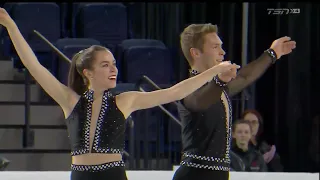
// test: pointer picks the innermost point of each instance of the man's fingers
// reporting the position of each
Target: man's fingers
(291, 44)
(235, 66)
(284, 39)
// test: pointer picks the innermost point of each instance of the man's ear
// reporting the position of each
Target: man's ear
(195, 53)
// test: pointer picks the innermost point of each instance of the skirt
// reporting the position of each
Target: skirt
(111, 171)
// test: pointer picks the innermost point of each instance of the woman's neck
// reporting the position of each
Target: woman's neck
(97, 93)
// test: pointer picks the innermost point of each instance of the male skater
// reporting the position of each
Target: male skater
(207, 113)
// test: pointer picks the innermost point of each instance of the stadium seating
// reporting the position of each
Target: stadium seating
(69, 47)
(76, 7)
(64, 10)
(43, 17)
(126, 44)
(154, 62)
(106, 22)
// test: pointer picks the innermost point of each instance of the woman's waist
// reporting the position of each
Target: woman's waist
(206, 157)
(219, 164)
(208, 151)
(95, 158)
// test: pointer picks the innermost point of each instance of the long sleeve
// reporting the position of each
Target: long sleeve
(204, 97)
(249, 73)
(275, 164)
(236, 162)
(263, 165)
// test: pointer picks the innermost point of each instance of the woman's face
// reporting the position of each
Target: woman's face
(253, 120)
(104, 71)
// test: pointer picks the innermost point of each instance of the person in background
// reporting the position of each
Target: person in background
(271, 157)
(252, 159)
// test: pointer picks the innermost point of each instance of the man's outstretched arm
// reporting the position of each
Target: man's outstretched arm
(249, 74)
(255, 69)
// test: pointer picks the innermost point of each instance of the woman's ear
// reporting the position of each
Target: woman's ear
(87, 73)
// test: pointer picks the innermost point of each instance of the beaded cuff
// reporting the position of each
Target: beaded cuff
(272, 54)
(218, 81)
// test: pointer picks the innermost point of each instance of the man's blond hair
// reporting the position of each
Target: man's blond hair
(193, 37)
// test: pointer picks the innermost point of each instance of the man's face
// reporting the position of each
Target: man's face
(212, 54)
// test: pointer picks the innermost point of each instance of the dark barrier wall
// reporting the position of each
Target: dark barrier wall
(287, 94)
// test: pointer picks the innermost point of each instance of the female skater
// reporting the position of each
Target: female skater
(95, 118)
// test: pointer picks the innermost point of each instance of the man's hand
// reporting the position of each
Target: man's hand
(229, 75)
(283, 46)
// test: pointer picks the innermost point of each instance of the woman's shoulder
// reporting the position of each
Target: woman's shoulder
(264, 147)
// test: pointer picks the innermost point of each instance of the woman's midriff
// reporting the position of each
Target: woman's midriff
(95, 158)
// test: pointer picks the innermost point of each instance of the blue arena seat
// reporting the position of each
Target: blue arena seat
(43, 17)
(64, 15)
(76, 7)
(148, 128)
(61, 43)
(154, 62)
(123, 87)
(173, 134)
(106, 22)
(8, 6)
(128, 43)
(69, 47)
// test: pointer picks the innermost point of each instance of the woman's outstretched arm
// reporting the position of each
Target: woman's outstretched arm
(132, 101)
(59, 92)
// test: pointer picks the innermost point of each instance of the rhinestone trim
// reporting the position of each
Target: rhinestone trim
(272, 54)
(219, 82)
(89, 96)
(95, 168)
(206, 158)
(201, 166)
(194, 72)
(228, 126)
(215, 78)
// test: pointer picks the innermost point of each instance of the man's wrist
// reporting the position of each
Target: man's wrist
(272, 54)
(219, 82)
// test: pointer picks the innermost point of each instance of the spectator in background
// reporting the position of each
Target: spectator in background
(269, 152)
(252, 159)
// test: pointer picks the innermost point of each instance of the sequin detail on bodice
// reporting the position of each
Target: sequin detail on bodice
(109, 131)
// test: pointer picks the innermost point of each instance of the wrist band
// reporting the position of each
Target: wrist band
(272, 54)
(218, 81)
